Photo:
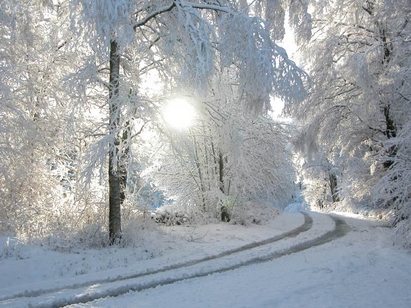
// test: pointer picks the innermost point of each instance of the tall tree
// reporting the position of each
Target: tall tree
(358, 61)
(184, 37)
(33, 110)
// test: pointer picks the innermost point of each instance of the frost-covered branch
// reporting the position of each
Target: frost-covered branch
(152, 15)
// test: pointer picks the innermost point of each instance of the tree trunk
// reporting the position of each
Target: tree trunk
(390, 132)
(116, 191)
(200, 173)
(225, 215)
(333, 187)
(221, 172)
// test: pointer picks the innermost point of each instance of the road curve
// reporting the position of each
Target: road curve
(339, 230)
(307, 225)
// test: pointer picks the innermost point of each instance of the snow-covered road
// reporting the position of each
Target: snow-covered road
(310, 264)
(47, 290)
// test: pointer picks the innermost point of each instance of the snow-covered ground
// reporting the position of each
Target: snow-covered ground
(360, 269)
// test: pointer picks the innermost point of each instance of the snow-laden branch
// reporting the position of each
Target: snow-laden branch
(209, 7)
(152, 15)
(168, 8)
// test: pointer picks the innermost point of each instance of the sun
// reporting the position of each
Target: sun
(179, 113)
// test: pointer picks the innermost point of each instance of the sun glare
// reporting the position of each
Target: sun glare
(179, 113)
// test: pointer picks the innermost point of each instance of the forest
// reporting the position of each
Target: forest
(92, 146)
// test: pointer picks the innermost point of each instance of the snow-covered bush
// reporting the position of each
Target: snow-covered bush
(254, 212)
(393, 191)
(10, 247)
(165, 217)
(404, 233)
(93, 236)
(139, 231)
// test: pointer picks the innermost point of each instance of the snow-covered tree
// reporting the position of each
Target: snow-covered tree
(32, 110)
(358, 59)
(182, 40)
(227, 158)
(45, 131)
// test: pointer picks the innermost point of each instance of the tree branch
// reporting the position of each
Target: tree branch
(169, 7)
(140, 130)
(211, 7)
(161, 10)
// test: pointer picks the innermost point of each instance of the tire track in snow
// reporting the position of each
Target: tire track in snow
(307, 225)
(340, 229)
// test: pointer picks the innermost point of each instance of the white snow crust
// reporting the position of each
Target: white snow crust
(361, 269)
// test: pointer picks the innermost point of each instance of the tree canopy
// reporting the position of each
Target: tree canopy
(84, 83)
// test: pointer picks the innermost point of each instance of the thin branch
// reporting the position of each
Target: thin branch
(62, 45)
(407, 99)
(140, 130)
(211, 7)
(359, 118)
(338, 23)
(404, 25)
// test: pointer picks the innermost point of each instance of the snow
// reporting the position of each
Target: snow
(360, 269)
(297, 207)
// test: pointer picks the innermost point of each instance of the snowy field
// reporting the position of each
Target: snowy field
(359, 269)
